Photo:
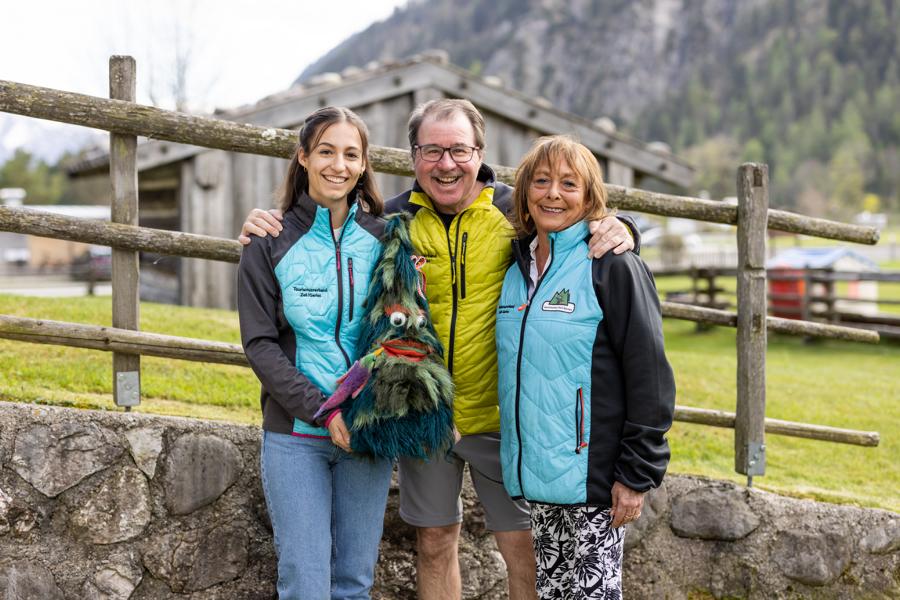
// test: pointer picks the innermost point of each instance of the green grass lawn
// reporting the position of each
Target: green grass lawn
(828, 383)
(83, 378)
(838, 384)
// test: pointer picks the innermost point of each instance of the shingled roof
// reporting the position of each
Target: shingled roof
(377, 82)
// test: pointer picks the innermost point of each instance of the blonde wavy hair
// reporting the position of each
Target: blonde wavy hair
(549, 150)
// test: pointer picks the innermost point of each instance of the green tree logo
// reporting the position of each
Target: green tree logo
(559, 302)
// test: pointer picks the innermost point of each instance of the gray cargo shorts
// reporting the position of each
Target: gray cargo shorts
(430, 490)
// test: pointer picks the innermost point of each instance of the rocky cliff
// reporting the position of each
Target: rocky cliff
(589, 57)
(810, 87)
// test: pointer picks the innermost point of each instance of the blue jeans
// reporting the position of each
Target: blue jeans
(327, 511)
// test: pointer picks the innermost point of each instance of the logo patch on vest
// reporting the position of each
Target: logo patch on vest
(559, 303)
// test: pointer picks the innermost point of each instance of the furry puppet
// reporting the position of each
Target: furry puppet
(397, 398)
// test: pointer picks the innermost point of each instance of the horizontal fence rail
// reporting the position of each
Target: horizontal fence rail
(719, 212)
(828, 299)
(174, 243)
(111, 339)
(29, 221)
(135, 119)
(34, 222)
(715, 316)
(93, 337)
(719, 418)
(825, 276)
(785, 274)
(160, 124)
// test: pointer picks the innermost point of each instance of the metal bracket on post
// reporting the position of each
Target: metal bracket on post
(756, 461)
(128, 388)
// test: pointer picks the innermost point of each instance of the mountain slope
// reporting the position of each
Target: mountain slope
(618, 57)
(809, 86)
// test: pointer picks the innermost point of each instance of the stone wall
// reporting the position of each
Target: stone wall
(117, 505)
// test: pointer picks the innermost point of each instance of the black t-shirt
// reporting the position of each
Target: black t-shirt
(447, 219)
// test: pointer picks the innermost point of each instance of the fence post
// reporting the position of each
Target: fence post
(125, 269)
(749, 432)
(830, 292)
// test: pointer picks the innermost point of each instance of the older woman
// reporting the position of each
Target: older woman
(586, 392)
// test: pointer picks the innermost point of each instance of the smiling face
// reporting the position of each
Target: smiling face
(451, 186)
(334, 164)
(556, 197)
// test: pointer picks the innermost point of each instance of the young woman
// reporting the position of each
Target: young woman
(586, 392)
(299, 302)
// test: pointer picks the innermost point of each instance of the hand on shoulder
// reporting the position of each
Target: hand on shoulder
(609, 233)
(261, 223)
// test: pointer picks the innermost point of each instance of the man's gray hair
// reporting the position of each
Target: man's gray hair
(441, 110)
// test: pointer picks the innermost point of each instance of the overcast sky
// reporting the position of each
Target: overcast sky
(240, 50)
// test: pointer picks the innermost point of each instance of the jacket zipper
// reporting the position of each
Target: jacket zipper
(340, 282)
(350, 275)
(462, 266)
(527, 308)
(452, 251)
(580, 444)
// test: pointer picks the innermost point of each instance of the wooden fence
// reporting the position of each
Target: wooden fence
(814, 298)
(125, 120)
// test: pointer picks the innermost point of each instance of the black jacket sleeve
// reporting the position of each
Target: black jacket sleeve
(266, 337)
(635, 232)
(628, 297)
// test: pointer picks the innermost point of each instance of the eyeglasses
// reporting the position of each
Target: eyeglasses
(434, 153)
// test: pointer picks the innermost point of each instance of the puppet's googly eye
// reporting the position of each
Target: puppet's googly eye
(420, 321)
(398, 319)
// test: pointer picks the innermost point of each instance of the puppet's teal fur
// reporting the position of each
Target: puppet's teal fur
(406, 407)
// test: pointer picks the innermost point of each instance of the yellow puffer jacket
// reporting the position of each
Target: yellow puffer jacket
(463, 275)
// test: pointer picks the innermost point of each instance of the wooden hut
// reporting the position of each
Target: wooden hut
(206, 191)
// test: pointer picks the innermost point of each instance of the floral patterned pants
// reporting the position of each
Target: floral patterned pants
(579, 554)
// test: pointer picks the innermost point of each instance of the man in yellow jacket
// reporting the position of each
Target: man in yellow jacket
(460, 226)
